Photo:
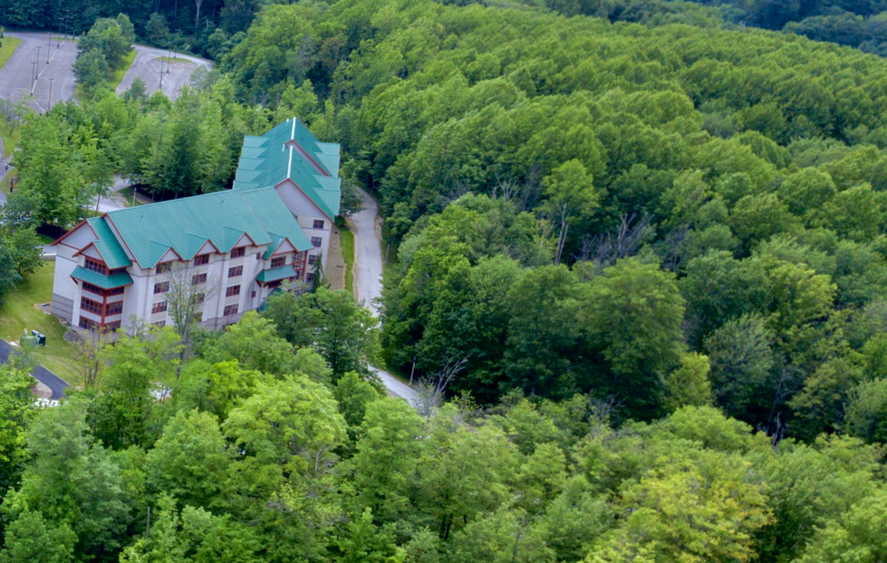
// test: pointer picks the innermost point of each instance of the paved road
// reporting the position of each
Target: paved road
(114, 201)
(368, 280)
(56, 384)
(148, 65)
(367, 254)
(17, 75)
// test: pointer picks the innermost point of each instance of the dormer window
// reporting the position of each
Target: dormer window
(164, 268)
(95, 266)
(278, 262)
(201, 260)
(238, 252)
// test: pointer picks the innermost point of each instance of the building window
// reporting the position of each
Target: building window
(236, 271)
(91, 306)
(159, 307)
(117, 291)
(238, 252)
(318, 224)
(93, 288)
(112, 326)
(95, 266)
(198, 279)
(309, 278)
(200, 297)
(114, 308)
(230, 310)
(312, 259)
(117, 271)
(233, 290)
(164, 268)
(253, 294)
(278, 262)
(88, 324)
(201, 260)
(159, 324)
(316, 241)
(161, 287)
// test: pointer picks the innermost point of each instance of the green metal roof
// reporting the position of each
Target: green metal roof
(222, 218)
(102, 281)
(107, 245)
(276, 274)
(268, 160)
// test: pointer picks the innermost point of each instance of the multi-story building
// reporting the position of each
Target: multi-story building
(234, 247)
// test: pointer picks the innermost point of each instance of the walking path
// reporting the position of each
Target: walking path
(368, 280)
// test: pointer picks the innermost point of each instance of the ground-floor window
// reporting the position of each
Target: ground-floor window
(89, 324)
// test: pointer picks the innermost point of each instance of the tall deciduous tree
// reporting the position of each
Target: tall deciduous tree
(632, 314)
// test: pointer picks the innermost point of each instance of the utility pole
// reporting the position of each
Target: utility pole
(38, 56)
(412, 371)
(33, 75)
(50, 94)
(48, 44)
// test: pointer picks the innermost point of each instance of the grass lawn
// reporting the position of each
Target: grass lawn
(19, 313)
(118, 75)
(346, 241)
(389, 254)
(8, 47)
(174, 60)
(126, 193)
(10, 137)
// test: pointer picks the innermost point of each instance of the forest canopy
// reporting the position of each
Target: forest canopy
(646, 253)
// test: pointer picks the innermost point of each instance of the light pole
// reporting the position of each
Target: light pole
(50, 94)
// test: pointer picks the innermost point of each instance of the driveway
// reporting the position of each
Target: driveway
(367, 254)
(368, 280)
(152, 66)
(56, 384)
(26, 73)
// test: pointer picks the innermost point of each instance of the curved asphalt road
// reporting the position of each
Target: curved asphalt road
(56, 384)
(368, 280)
(157, 74)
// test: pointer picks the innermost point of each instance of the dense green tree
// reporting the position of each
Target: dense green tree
(73, 483)
(190, 460)
(632, 314)
(138, 371)
(254, 343)
(331, 322)
(857, 536)
(743, 365)
(689, 384)
(15, 401)
(383, 461)
(542, 331)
